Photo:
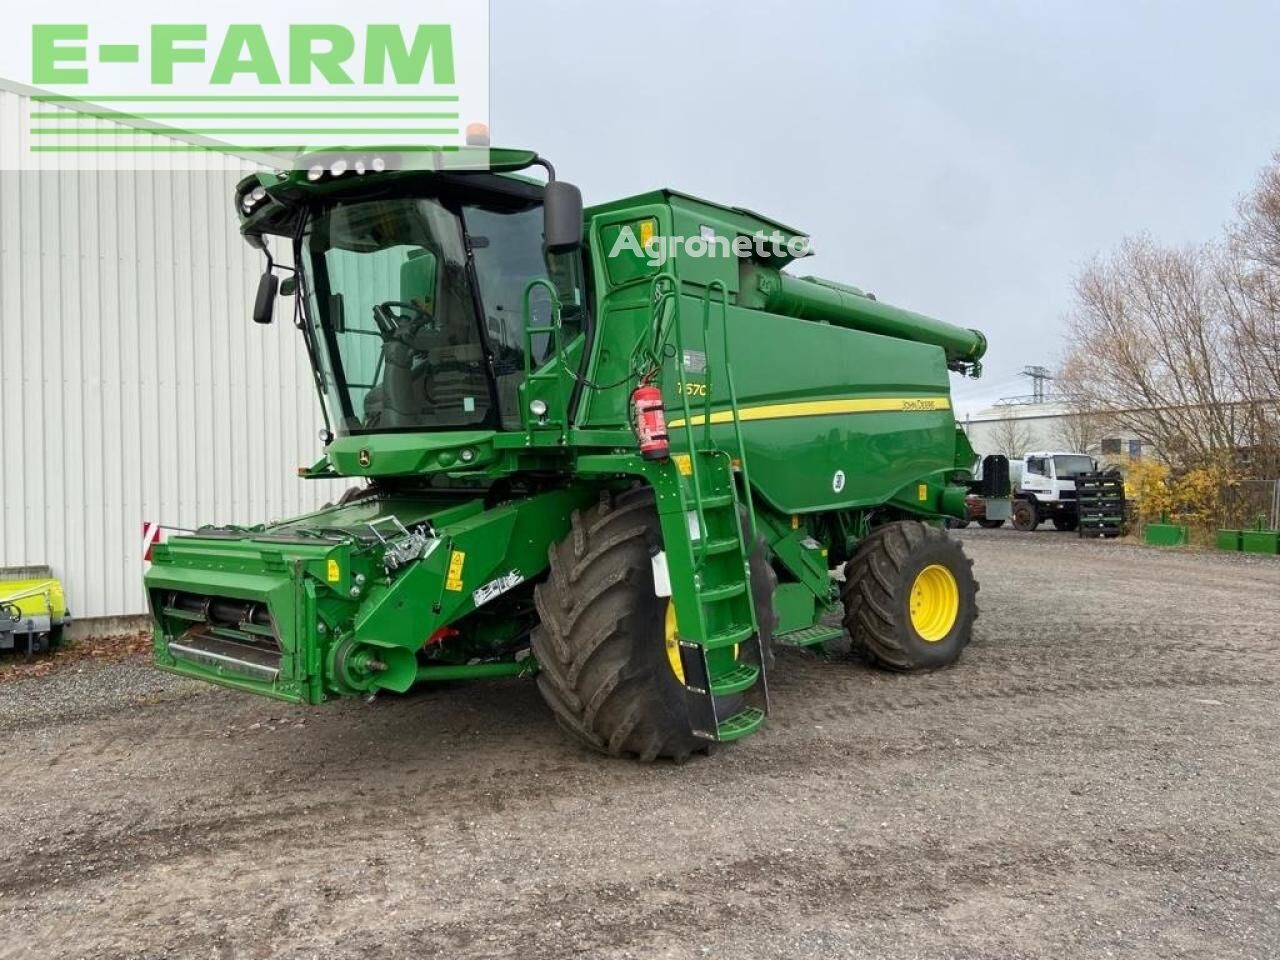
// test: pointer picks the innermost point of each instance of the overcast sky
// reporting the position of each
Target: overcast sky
(961, 159)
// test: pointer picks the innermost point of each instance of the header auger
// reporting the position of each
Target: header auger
(628, 477)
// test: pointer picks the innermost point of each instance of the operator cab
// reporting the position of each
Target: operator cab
(412, 285)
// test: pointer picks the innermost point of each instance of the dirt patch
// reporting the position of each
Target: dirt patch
(17, 666)
(1098, 777)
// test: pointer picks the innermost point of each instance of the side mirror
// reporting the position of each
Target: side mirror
(264, 306)
(288, 286)
(562, 216)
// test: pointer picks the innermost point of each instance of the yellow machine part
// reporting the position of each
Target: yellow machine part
(35, 597)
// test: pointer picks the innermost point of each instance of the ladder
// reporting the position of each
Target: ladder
(709, 543)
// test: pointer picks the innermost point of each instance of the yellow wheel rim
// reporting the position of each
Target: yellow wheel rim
(934, 603)
(673, 645)
(669, 634)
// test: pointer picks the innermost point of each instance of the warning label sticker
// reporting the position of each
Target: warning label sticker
(453, 579)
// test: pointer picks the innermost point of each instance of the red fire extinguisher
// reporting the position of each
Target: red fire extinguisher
(650, 422)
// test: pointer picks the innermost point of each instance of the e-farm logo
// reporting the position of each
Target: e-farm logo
(271, 91)
(316, 51)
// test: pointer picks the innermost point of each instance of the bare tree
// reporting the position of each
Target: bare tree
(1011, 436)
(1083, 428)
(1257, 231)
(1253, 345)
(1182, 347)
(1147, 332)
(1250, 279)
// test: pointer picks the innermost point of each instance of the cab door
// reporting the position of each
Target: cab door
(1037, 476)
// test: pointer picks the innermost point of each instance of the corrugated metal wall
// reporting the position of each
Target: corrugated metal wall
(133, 385)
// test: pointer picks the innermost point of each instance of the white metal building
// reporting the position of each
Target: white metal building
(1041, 426)
(133, 385)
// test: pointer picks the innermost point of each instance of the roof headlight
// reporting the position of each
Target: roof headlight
(338, 167)
(315, 173)
(251, 199)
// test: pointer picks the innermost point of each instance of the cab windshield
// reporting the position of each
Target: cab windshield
(1071, 465)
(415, 310)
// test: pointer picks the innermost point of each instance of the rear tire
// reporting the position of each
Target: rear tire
(1026, 516)
(601, 641)
(890, 571)
(991, 524)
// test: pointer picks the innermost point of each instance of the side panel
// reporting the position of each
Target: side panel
(832, 418)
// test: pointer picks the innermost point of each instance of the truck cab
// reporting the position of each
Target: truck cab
(1044, 488)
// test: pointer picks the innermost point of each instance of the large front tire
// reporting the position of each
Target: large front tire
(910, 597)
(601, 644)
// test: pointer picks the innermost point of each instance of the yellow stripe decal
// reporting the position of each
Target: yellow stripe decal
(821, 408)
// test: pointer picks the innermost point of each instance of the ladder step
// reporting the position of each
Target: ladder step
(728, 638)
(809, 636)
(717, 500)
(741, 677)
(740, 724)
(722, 545)
(726, 592)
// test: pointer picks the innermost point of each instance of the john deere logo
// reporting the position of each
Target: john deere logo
(364, 457)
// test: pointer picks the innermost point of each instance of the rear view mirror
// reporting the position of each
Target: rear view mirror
(264, 306)
(562, 216)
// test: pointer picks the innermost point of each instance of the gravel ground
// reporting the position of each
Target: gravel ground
(1097, 778)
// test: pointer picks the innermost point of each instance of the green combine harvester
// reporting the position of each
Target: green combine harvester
(629, 476)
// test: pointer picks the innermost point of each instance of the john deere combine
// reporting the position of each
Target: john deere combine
(629, 476)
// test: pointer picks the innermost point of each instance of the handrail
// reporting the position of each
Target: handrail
(554, 329)
(706, 346)
(735, 412)
(695, 475)
(646, 356)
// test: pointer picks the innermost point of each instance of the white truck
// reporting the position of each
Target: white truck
(1044, 488)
